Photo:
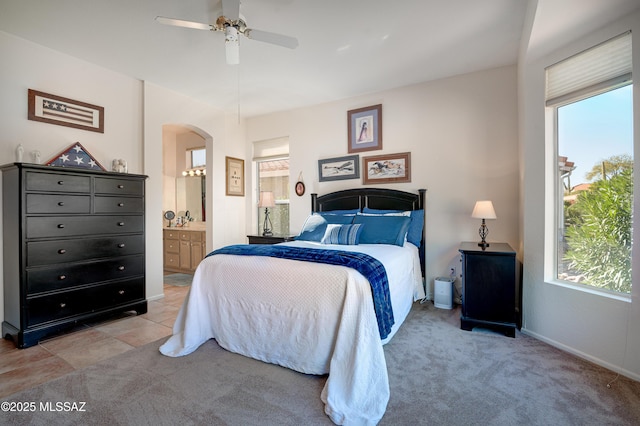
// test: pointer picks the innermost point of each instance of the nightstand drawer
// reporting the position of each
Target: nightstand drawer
(269, 239)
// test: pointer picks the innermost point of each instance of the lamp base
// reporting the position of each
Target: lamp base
(267, 233)
(483, 244)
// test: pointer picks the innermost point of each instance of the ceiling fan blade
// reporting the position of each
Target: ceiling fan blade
(273, 38)
(231, 9)
(186, 24)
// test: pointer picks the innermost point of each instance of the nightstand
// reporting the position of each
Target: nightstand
(272, 239)
(488, 287)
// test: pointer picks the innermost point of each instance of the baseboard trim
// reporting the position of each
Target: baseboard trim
(615, 368)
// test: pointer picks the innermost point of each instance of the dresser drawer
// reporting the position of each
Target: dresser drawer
(121, 292)
(67, 304)
(104, 185)
(57, 182)
(41, 253)
(64, 276)
(69, 226)
(58, 203)
(118, 204)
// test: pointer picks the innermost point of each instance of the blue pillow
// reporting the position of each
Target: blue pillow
(342, 234)
(414, 234)
(316, 224)
(383, 229)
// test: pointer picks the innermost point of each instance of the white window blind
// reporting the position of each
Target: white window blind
(599, 68)
(271, 149)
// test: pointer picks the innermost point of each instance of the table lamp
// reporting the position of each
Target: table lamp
(266, 201)
(483, 210)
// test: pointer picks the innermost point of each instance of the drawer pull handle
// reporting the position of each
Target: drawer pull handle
(121, 292)
(62, 277)
(61, 225)
(120, 223)
(120, 204)
(60, 182)
(62, 251)
(61, 204)
(121, 245)
(120, 186)
(62, 305)
(120, 268)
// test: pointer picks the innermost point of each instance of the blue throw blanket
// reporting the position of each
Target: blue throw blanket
(371, 268)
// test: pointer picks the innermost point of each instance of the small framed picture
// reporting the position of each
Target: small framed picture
(365, 128)
(300, 188)
(388, 168)
(235, 176)
(339, 168)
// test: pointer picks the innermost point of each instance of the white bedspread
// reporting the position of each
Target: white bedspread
(309, 317)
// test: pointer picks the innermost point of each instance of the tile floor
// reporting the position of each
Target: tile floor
(54, 357)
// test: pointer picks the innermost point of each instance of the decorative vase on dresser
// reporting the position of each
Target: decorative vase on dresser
(74, 248)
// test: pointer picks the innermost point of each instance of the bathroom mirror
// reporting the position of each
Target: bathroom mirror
(190, 196)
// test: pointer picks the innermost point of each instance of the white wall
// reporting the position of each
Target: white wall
(223, 136)
(131, 132)
(26, 65)
(462, 135)
(599, 328)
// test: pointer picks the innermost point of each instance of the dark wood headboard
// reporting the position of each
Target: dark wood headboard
(373, 198)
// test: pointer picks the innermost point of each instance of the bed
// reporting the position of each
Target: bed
(319, 304)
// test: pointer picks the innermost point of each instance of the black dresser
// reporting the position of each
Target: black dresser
(74, 248)
(488, 287)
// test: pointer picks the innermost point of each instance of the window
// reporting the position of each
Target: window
(198, 157)
(590, 96)
(272, 175)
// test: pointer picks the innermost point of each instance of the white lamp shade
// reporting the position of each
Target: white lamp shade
(484, 210)
(266, 199)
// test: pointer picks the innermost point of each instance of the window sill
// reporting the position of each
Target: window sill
(592, 290)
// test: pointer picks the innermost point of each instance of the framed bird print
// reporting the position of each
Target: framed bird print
(339, 168)
(388, 168)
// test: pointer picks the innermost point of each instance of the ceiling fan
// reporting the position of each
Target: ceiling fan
(233, 24)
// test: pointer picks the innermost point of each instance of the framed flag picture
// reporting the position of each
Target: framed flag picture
(75, 155)
(54, 109)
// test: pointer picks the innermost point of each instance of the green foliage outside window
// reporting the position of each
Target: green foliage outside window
(599, 231)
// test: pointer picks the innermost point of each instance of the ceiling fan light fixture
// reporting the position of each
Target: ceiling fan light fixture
(232, 45)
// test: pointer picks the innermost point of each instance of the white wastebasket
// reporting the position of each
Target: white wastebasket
(443, 290)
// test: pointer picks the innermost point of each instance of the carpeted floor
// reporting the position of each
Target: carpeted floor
(178, 279)
(439, 375)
